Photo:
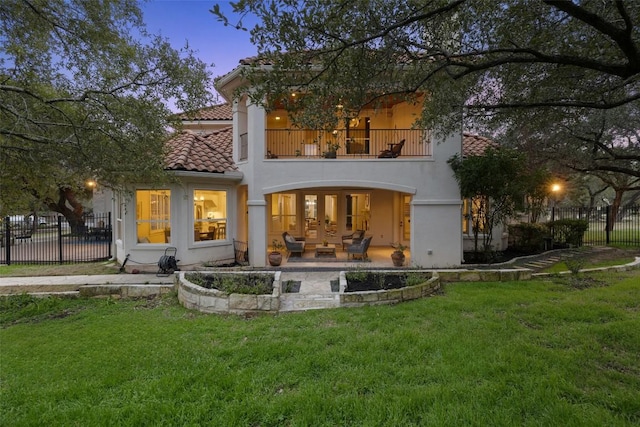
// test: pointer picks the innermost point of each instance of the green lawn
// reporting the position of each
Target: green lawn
(27, 270)
(562, 265)
(537, 353)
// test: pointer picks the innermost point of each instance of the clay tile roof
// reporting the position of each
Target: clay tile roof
(474, 145)
(215, 112)
(210, 152)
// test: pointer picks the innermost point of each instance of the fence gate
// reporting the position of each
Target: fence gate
(26, 242)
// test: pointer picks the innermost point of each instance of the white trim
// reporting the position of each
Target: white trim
(341, 184)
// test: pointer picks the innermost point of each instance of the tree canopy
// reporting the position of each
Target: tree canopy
(504, 64)
(85, 93)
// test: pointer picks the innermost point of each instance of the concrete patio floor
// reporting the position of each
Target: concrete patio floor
(378, 257)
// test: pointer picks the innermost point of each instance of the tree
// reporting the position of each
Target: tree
(84, 93)
(502, 63)
(620, 183)
(495, 182)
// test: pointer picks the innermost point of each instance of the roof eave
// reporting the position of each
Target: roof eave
(225, 176)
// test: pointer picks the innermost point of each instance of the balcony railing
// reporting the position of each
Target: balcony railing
(310, 144)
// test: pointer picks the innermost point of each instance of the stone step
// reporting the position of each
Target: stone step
(296, 302)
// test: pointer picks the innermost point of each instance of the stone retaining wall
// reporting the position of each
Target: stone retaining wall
(388, 296)
(206, 300)
(485, 275)
(125, 291)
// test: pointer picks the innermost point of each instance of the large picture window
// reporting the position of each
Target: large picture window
(209, 215)
(153, 216)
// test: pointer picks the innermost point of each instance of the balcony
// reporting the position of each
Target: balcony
(312, 144)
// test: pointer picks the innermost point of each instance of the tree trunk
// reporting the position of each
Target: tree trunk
(69, 206)
(615, 208)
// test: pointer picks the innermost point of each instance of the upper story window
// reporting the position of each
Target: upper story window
(209, 215)
(153, 215)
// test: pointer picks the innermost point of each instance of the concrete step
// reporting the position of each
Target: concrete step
(296, 302)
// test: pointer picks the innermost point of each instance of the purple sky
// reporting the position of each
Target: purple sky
(190, 20)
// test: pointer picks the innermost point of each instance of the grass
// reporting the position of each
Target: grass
(29, 270)
(500, 354)
(562, 266)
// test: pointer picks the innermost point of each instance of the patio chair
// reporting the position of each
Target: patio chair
(359, 249)
(293, 244)
(393, 152)
(350, 239)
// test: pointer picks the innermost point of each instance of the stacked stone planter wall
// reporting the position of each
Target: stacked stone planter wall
(206, 300)
(388, 296)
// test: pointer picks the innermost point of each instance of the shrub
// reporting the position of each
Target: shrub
(568, 231)
(527, 237)
(575, 264)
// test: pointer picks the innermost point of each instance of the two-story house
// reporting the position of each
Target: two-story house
(247, 173)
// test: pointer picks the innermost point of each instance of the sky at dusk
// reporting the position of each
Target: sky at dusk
(190, 20)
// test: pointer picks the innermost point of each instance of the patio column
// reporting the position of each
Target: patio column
(256, 203)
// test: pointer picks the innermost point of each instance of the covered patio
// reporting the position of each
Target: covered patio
(378, 257)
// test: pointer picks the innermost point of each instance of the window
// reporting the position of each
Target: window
(153, 216)
(358, 212)
(209, 215)
(473, 212)
(283, 212)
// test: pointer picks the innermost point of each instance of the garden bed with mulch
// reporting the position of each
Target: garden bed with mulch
(375, 281)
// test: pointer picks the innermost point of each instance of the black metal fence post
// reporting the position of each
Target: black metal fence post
(110, 235)
(60, 257)
(607, 227)
(7, 240)
(553, 229)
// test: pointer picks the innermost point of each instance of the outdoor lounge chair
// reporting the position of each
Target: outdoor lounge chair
(293, 244)
(393, 152)
(359, 249)
(350, 239)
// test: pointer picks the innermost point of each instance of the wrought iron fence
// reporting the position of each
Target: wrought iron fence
(604, 227)
(24, 241)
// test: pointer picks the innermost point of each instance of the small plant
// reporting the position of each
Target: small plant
(276, 246)
(330, 152)
(358, 275)
(332, 146)
(325, 242)
(575, 264)
(416, 278)
(399, 247)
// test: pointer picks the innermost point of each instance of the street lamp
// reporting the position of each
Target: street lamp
(556, 189)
